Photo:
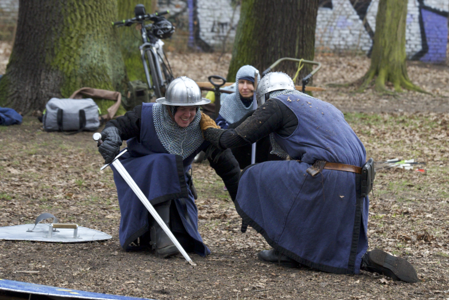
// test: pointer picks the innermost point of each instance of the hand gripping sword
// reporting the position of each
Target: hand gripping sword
(253, 146)
(132, 184)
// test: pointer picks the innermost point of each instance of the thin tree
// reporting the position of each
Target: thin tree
(388, 58)
(61, 46)
(270, 30)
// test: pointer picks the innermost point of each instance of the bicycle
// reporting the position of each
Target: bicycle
(155, 63)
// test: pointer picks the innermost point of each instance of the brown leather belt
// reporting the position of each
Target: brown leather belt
(319, 165)
(343, 167)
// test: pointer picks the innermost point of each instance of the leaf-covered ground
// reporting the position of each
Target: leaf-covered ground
(409, 215)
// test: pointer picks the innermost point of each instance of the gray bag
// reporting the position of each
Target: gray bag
(71, 114)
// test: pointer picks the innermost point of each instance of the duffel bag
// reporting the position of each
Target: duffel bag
(71, 115)
(77, 113)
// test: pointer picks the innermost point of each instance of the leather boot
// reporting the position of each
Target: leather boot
(383, 263)
(160, 241)
(275, 257)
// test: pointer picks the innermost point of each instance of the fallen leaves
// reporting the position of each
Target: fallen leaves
(408, 217)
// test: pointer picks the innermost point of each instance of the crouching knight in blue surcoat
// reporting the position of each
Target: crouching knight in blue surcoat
(313, 207)
(163, 139)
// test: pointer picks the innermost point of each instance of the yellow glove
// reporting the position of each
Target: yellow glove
(207, 122)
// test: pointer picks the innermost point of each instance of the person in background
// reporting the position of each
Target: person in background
(313, 208)
(162, 139)
(238, 106)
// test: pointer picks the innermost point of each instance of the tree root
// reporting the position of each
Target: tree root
(380, 87)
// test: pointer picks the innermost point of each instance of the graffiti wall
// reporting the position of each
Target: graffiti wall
(350, 25)
(342, 25)
(209, 24)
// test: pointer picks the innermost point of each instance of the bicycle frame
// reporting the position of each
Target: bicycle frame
(154, 82)
(157, 70)
(151, 64)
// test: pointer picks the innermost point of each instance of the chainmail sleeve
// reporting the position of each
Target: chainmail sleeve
(272, 116)
(128, 124)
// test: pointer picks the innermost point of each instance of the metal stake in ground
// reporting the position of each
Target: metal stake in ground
(253, 146)
(132, 184)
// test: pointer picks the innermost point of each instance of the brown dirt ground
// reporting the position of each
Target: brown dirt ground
(60, 174)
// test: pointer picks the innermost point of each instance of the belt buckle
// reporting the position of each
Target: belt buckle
(316, 168)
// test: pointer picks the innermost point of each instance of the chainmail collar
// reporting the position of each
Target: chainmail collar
(232, 108)
(177, 140)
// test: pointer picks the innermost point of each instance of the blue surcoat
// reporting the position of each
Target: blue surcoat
(319, 221)
(161, 177)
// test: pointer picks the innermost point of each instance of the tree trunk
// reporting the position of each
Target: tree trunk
(388, 58)
(270, 30)
(130, 38)
(60, 47)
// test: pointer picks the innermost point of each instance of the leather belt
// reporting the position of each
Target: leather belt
(319, 165)
(343, 167)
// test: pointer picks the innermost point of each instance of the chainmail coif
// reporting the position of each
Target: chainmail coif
(177, 140)
(232, 108)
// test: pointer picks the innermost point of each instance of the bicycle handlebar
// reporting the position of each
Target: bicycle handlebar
(131, 21)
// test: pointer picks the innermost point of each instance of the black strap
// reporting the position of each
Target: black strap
(357, 223)
(59, 119)
(82, 125)
(82, 116)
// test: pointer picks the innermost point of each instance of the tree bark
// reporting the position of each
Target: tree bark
(270, 30)
(60, 47)
(388, 58)
(130, 38)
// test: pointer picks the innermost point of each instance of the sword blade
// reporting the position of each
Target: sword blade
(132, 184)
(253, 146)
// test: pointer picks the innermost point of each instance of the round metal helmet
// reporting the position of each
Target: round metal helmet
(183, 91)
(273, 81)
(163, 29)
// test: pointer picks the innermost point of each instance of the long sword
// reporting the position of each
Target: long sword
(132, 184)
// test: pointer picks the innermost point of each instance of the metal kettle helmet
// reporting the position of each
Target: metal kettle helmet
(183, 91)
(271, 82)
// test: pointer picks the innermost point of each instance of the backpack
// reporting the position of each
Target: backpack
(77, 113)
